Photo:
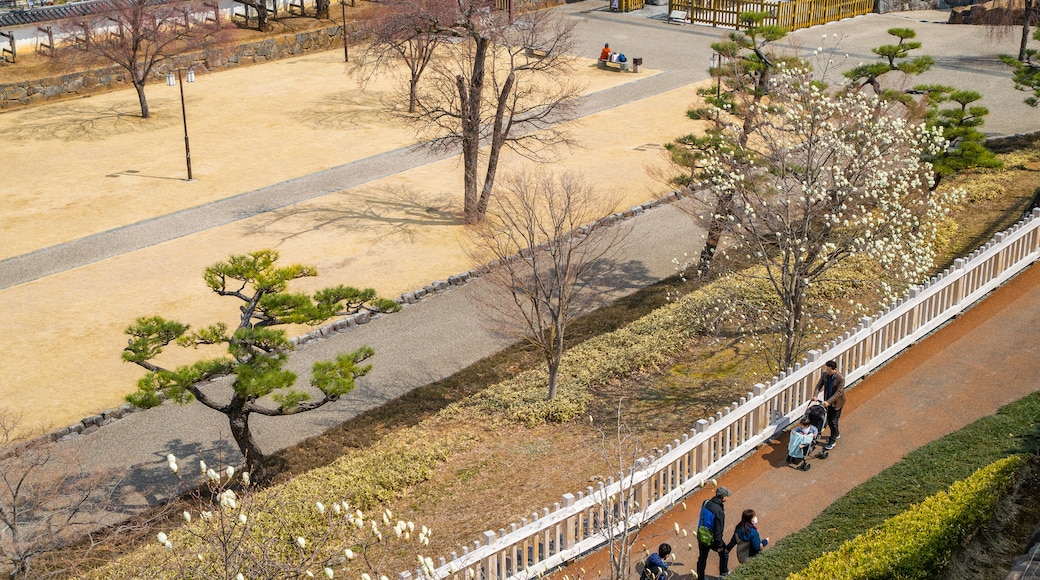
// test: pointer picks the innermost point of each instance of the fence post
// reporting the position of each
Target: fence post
(491, 561)
(759, 419)
(703, 452)
(568, 524)
(1001, 254)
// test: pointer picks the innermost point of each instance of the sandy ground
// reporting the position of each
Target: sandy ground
(91, 165)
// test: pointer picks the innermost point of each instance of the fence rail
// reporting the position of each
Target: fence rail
(790, 14)
(580, 522)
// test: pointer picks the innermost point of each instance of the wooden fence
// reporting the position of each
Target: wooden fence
(790, 14)
(579, 522)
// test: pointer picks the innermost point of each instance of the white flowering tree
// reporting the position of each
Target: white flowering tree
(232, 530)
(745, 62)
(820, 181)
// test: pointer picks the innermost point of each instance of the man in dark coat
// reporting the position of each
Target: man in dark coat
(831, 389)
(713, 512)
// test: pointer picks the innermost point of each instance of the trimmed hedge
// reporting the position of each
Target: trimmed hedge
(918, 542)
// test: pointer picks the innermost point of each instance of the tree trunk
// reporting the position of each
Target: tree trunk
(711, 241)
(321, 8)
(139, 87)
(1026, 21)
(472, 97)
(239, 421)
(413, 85)
(498, 139)
(554, 375)
(261, 15)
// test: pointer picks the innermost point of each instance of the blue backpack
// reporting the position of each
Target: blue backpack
(706, 526)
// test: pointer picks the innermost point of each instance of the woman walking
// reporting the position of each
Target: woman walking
(746, 537)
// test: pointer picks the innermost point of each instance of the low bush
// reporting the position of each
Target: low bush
(918, 542)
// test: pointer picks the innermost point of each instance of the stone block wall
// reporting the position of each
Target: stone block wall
(67, 86)
(884, 6)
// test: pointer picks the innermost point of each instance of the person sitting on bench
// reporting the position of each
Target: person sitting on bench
(605, 53)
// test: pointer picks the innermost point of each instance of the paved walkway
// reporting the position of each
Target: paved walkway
(435, 338)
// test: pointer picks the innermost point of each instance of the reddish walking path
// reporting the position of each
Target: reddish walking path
(988, 357)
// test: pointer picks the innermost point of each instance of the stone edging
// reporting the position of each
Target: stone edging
(92, 423)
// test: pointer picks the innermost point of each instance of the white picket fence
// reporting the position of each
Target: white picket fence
(575, 525)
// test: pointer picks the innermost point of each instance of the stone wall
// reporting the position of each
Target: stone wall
(36, 91)
(884, 6)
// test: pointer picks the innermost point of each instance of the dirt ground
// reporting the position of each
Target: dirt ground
(80, 167)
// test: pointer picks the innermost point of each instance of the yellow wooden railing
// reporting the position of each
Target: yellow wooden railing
(790, 14)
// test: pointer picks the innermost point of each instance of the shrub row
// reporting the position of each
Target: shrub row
(918, 542)
(641, 346)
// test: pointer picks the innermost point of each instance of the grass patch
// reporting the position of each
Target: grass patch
(922, 473)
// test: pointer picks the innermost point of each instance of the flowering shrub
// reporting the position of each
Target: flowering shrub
(918, 542)
(242, 533)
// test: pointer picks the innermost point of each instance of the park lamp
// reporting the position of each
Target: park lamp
(172, 79)
(715, 63)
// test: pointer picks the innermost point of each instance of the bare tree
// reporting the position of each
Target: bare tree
(489, 90)
(619, 517)
(549, 257)
(46, 502)
(257, 352)
(407, 30)
(139, 36)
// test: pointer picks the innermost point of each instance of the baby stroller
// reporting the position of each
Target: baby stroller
(806, 436)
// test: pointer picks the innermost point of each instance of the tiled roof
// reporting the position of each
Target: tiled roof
(52, 13)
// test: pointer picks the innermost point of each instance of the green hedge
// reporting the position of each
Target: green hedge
(922, 473)
(918, 542)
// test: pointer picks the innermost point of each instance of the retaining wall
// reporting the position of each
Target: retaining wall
(72, 85)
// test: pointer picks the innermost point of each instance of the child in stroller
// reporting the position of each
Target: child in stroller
(806, 436)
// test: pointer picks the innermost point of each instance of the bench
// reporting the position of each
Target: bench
(620, 66)
(678, 17)
(534, 52)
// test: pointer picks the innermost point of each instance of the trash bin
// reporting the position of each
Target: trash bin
(637, 63)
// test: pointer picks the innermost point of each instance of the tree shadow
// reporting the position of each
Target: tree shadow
(397, 212)
(151, 484)
(345, 109)
(81, 121)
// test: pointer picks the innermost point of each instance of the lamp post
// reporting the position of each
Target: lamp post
(190, 76)
(343, 10)
(716, 61)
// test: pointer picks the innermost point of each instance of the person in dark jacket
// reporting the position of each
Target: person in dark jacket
(746, 537)
(656, 567)
(831, 389)
(714, 511)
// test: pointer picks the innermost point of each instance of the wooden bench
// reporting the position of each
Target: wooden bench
(619, 66)
(534, 52)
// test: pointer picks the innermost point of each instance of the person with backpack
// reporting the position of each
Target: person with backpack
(710, 534)
(746, 537)
(656, 567)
